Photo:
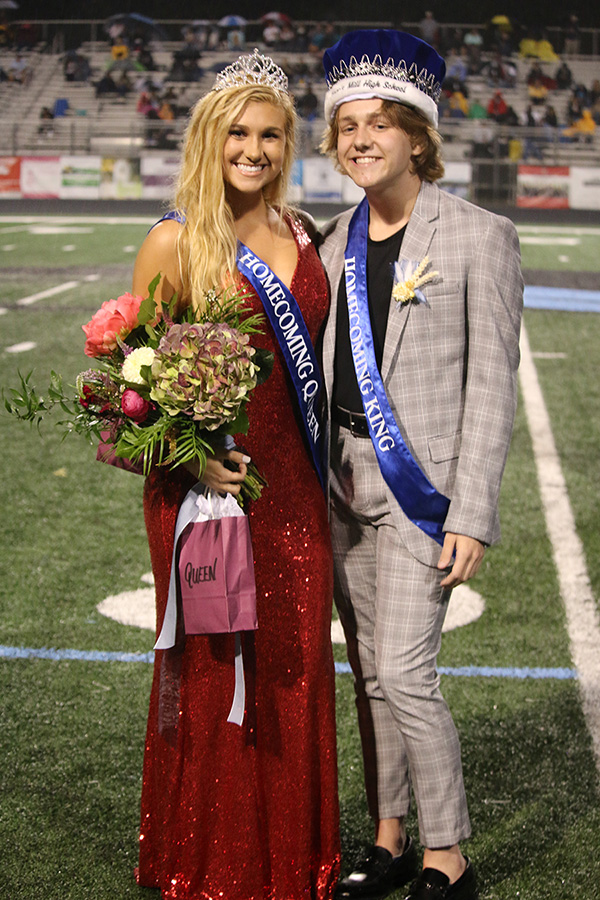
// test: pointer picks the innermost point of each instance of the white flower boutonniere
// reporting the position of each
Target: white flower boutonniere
(408, 278)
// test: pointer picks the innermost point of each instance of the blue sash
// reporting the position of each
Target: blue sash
(420, 501)
(292, 335)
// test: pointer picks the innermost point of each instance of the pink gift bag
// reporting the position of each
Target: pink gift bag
(216, 576)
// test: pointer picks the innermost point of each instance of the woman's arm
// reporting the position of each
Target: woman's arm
(157, 254)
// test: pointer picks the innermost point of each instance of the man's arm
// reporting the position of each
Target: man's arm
(494, 298)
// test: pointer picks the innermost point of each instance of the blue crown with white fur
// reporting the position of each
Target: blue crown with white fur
(392, 65)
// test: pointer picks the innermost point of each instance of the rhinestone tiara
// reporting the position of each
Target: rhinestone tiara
(397, 71)
(254, 68)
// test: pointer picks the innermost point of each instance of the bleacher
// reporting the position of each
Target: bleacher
(108, 125)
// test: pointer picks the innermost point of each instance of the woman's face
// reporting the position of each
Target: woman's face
(254, 148)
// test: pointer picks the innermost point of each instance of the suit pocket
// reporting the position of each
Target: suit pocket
(444, 447)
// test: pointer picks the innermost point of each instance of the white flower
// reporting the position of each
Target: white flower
(408, 277)
(143, 356)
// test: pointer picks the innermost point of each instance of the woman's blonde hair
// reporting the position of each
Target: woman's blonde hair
(427, 164)
(207, 245)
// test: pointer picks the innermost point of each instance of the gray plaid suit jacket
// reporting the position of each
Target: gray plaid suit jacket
(449, 365)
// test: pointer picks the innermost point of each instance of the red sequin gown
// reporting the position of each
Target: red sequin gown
(251, 813)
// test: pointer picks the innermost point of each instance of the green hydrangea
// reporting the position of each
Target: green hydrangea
(204, 370)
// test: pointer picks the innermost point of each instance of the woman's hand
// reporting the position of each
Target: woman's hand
(224, 472)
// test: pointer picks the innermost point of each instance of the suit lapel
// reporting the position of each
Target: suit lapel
(332, 257)
(415, 246)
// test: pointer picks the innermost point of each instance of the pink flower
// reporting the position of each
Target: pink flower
(115, 318)
(134, 406)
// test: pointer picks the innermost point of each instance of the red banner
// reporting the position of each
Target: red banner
(10, 175)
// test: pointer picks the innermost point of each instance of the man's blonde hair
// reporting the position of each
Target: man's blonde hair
(427, 164)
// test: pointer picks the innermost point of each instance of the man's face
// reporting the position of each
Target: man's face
(373, 152)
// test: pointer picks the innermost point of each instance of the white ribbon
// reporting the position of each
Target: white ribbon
(199, 505)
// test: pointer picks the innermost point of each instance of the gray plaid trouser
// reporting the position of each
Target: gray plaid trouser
(392, 610)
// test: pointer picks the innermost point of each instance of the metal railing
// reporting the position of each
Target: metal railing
(61, 34)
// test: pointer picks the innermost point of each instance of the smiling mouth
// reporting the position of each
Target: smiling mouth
(365, 160)
(246, 169)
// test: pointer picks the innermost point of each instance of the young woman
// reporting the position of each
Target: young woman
(247, 812)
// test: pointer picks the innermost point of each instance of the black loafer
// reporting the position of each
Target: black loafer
(434, 885)
(378, 874)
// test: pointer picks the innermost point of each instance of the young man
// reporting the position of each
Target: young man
(420, 357)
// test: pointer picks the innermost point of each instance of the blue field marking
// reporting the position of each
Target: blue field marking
(564, 299)
(341, 668)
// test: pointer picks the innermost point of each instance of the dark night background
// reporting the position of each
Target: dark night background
(529, 13)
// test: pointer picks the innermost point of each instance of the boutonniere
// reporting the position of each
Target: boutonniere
(409, 276)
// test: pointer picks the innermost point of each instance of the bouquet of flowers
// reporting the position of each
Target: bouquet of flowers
(168, 388)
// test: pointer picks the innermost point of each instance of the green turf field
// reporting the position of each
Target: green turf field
(72, 533)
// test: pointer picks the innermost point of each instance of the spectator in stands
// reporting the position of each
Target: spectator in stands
(323, 37)
(456, 67)
(458, 106)
(537, 45)
(76, 66)
(119, 50)
(473, 44)
(571, 36)
(148, 101)
(106, 85)
(123, 84)
(473, 38)
(184, 68)
(594, 92)
(537, 92)
(143, 56)
(532, 118)
(166, 111)
(236, 39)
(596, 112)
(287, 37)
(301, 40)
(498, 72)
(497, 108)
(583, 129)
(535, 73)
(19, 71)
(476, 110)
(550, 121)
(574, 108)
(563, 77)
(581, 93)
(429, 29)
(271, 33)
(307, 103)
(46, 128)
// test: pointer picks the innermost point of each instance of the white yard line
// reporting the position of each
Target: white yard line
(79, 220)
(50, 292)
(557, 229)
(583, 622)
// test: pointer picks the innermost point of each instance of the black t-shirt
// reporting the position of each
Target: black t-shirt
(381, 256)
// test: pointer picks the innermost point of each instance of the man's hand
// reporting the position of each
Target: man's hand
(468, 556)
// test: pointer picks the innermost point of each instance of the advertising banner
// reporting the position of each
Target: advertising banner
(10, 176)
(543, 187)
(80, 177)
(120, 179)
(40, 177)
(584, 190)
(158, 176)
